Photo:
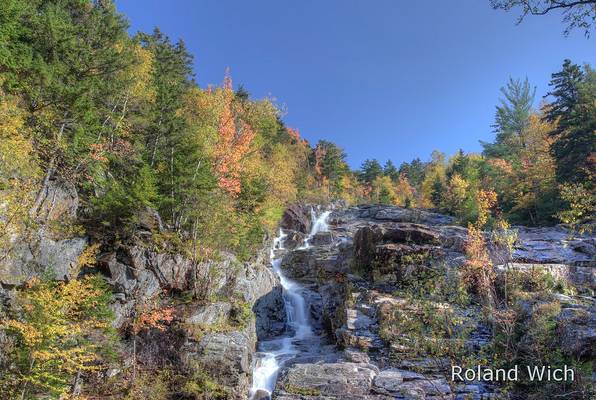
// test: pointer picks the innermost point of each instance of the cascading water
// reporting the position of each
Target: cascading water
(274, 353)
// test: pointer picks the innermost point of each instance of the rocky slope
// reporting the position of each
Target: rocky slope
(212, 330)
(353, 278)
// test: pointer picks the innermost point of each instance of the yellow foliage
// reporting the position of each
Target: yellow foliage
(57, 320)
(88, 256)
(19, 173)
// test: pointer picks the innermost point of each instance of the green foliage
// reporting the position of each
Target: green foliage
(574, 108)
(370, 170)
(511, 119)
(303, 391)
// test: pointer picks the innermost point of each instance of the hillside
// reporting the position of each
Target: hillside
(163, 240)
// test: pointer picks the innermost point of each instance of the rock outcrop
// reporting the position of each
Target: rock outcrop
(352, 278)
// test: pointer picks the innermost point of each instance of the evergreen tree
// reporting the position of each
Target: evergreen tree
(370, 170)
(391, 171)
(574, 107)
(414, 171)
(511, 119)
(169, 150)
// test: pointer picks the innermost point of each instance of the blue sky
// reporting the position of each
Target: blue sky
(385, 79)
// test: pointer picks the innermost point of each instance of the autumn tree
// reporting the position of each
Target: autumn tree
(53, 334)
(235, 137)
(76, 47)
(478, 268)
(19, 175)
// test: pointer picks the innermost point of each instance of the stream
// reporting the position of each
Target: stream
(298, 336)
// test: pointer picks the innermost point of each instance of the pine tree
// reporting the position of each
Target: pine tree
(574, 108)
(391, 171)
(511, 119)
(370, 170)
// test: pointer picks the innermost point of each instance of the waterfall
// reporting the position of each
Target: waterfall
(279, 350)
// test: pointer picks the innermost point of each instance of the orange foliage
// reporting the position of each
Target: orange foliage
(234, 140)
(295, 135)
(319, 156)
(153, 318)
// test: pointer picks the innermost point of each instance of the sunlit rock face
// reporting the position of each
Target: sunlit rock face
(352, 277)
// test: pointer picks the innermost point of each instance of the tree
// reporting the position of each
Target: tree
(391, 171)
(330, 161)
(532, 193)
(53, 335)
(235, 137)
(19, 175)
(383, 190)
(167, 143)
(414, 171)
(574, 111)
(581, 211)
(433, 185)
(456, 197)
(370, 170)
(576, 13)
(511, 119)
(63, 60)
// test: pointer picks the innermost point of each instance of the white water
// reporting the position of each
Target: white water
(282, 349)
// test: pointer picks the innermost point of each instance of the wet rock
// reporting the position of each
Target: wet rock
(311, 264)
(321, 238)
(294, 240)
(270, 314)
(297, 217)
(261, 395)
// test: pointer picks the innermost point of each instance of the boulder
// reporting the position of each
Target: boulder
(297, 217)
(270, 314)
(577, 331)
(554, 245)
(582, 278)
(321, 238)
(224, 356)
(400, 214)
(138, 284)
(337, 379)
(210, 314)
(149, 219)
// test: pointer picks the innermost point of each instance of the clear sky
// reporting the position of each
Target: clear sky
(385, 79)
